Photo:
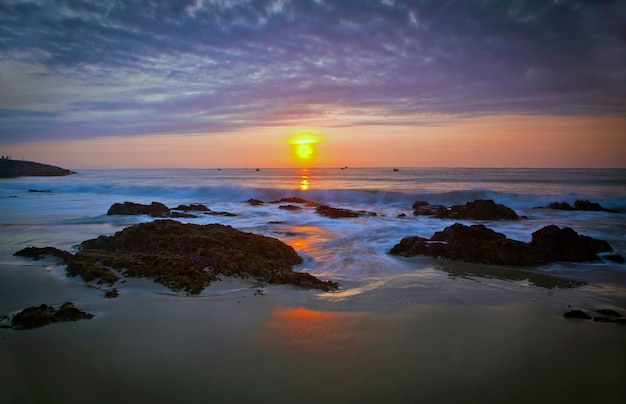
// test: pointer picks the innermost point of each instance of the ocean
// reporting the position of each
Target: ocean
(73, 208)
(400, 329)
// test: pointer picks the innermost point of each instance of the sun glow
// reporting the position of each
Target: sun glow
(303, 143)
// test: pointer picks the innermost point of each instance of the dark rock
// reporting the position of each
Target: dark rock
(555, 244)
(289, 207)
(210, 212)
(92, 267)
(480, 210)
(254, 202)
(587, 205)
(335, 213)
(423, 208)
(45, 191)
(297, 200)
(577, 314)
(579, 204)
(38, 253)
(477, 210)
(188, 256)
(33, 317)
(478, 243)
(197, 207)
(182, 215)
(68, 312)
(19, 168)
(615, 258)
(110, 294)
(560, 206)
(155, 209)
(475, 243)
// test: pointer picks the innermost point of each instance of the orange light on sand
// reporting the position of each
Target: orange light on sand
(303, 144)
(314, 332)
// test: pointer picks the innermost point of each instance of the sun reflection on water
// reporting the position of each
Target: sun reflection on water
(304, 180)
(317, 332)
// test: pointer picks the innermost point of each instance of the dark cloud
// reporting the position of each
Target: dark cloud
(137, 67)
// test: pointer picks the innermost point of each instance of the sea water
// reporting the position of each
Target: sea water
(398, 329)
(64, 211)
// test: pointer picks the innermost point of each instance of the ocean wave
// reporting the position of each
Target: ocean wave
(239, 193)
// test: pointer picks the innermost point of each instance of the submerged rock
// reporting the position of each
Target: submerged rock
(188, 257)
(38, 316)
(477, 210)
(477, 243)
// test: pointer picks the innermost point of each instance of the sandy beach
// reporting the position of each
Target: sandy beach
(431, 337)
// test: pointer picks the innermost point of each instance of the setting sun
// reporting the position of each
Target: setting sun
(303, 143)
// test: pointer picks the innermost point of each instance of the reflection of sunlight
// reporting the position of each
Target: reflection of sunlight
(316, 332)
(304, 183)
(304, 179)
(306, 236)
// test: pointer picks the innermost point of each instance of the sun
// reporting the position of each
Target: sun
(303, 143)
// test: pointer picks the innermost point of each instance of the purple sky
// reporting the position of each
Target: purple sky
(80, 69)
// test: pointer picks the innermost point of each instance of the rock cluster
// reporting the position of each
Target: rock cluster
(477, 243)
(479, 209)
(185, 257)
(157, 209)
(38, 316)
(583, 205)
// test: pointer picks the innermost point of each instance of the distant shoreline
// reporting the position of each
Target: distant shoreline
(19, 168)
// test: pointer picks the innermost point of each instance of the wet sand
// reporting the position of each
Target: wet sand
(428, 337)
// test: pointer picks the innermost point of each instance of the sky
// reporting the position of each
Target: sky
(234, 83)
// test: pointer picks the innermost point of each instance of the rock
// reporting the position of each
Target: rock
(297, 200)
(615, 258)
(477, 243)
(111, 294)
(210, 212)
(289, 207)
(560, 206)
(254, 202)
(38, 253)
(480, 210)
(579, 204)
(577, 314)
(477, 210)
(19, 168)
(182, 215)
(156, 209)
(335, 213)
(188, 257)
(423, 208)
(197, 207)
(38, 316)
(555, 244)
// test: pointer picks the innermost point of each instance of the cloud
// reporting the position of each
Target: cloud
(133, 68)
